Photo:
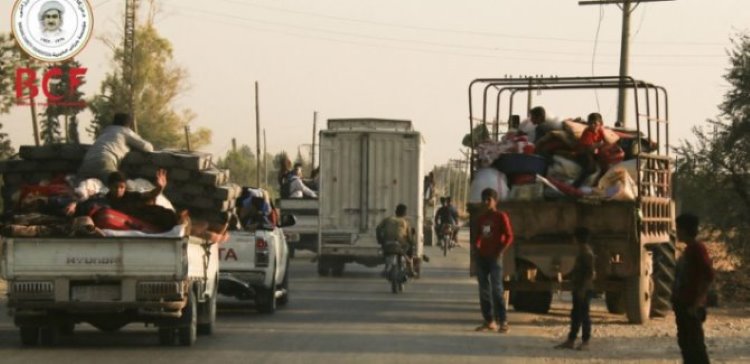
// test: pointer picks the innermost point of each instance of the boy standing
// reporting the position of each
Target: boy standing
(693, 275)
(582, 279)
(494, 236)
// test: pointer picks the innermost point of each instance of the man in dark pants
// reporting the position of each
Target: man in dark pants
(582, 279)
(693, 275)
(493, 236)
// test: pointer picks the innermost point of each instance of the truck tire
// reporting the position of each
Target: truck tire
(615, 302)
(664, 274)
(284, 299)
(337, 268)
(265, 300)
(638, 292)
(207, 318)
(48, 335)
(323, 266)
(166, 336)
(532, 301)
(187, 333)
(29, 335)
(68, 328)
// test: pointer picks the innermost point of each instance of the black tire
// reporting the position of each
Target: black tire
(338, 269)
(323, 267)
(664, 274)
(445, 243)
(167, 336)
(292, 251)
(208, 317)
(48, 335)
(394, 286)
(265, 300)
(615, 302)
(638, 293)
(187, 333)
(284, 299)
(29, 335)
(532, 301)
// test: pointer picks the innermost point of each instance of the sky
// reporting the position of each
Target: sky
(411, 59)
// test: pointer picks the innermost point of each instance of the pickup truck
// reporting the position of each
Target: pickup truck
(255, 266)
(109, 282)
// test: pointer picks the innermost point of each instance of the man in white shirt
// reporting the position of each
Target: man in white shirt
(297, 188)
(110, 148)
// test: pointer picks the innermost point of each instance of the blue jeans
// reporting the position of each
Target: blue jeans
(580, 316)
(490, 279)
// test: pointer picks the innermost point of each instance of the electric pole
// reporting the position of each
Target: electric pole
(128, 59)
(628, 6)
(257, 135)
(315, 132)
(265, 159)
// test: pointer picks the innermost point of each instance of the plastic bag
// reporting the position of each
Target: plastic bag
(488, 178)
(619, 186)
(563, 169)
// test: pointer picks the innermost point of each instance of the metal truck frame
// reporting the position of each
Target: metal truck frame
(633, 241)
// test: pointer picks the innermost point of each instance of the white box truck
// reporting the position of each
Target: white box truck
(367, 168)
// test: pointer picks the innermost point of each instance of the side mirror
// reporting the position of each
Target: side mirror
(288, 220)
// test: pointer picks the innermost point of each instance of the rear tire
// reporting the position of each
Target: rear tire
(166, 336)
(208, 316)
(663, 277)
(532, 301)
(323, 267)
(445, 244)
(615, 302)
(188, 333)
(265, 301)
(48, 335)
(338, 269)
(284, 300)
(638, 292)
(29, 335)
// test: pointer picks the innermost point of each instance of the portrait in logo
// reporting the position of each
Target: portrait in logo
(52, 30)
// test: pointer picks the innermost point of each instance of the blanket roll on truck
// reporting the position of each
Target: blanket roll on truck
(367, 168)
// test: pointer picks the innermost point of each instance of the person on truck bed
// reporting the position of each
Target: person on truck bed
(256, 212)
(110, 147)
(583, 284)
(494, 236)
(588, 146)
(693, 275)
(297, 188)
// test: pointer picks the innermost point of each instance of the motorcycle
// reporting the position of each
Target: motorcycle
(446, 238)
(395, 267)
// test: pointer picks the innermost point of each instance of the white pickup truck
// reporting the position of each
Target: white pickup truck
(255, 266)
(56, 283)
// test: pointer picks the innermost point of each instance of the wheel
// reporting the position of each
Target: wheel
(323, 267)
(338, 269)
(532, 301)
(48, 335)
(445, 244)
(29, 335)
(394, 286)
(208, 316)
(638, 292)
(166, 336)
(284, 299)
(265, 301)
(615, 302)
(663, 277)
(187, 334)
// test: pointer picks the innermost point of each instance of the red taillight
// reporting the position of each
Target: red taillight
(261, 244)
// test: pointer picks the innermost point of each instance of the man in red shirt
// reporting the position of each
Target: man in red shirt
(588, 146)
(494, 236)
(693, 275)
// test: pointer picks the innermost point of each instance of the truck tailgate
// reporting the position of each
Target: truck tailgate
(101, 257)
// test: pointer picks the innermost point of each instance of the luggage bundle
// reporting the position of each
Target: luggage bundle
(194, 184)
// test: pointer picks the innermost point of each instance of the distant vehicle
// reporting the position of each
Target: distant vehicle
(632, 240)
(446, 238)
(367, 167)
(304, 234)
(255, 266)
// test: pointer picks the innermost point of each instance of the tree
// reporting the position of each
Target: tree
(713, 173)
(157, 84)
(66, 108)
(10, 59)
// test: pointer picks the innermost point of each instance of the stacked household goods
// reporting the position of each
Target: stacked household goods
(38, 165)
(194, 184)
(546, 168)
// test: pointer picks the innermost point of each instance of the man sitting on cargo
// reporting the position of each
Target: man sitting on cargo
(255, 212)
(297, 188)
(110, 147)
(588, 147)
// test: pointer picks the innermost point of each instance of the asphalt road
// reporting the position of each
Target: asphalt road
(352, 319)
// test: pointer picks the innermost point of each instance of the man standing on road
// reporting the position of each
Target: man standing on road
(110, 148)
(494, 236)
(583, 285)
(693, 275)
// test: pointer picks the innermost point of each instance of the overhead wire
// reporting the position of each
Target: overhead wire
(593, 53)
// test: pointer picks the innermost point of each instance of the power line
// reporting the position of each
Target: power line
(428, 43)
(593, 54)
(444, 30)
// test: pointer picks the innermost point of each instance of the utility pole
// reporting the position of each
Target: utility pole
(257, 135)
(265, 159)
(628, 6)
(315, 132)
(234, 144)
(128, 59)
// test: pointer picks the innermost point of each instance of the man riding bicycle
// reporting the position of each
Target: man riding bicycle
(397, 237)
(447, 215)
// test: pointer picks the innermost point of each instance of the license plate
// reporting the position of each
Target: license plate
(95, 293)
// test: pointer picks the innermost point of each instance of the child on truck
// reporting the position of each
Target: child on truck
(583, 285)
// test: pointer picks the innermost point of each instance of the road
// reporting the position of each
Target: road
(355, 319)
